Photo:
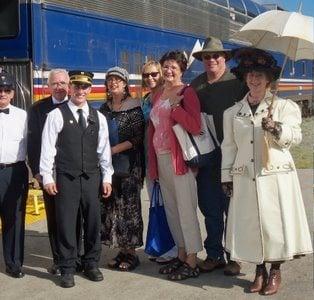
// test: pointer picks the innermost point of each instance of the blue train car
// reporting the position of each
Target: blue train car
(38, 35)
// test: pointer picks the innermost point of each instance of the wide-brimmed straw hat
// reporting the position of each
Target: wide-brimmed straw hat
(212, 44)
(253, 59)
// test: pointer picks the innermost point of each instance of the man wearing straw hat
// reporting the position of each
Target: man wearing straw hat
(217, 90)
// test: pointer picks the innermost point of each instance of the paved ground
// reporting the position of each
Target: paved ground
(145, 282)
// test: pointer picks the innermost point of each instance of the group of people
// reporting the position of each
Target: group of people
(91, 166)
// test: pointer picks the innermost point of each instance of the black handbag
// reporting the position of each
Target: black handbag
(121, 164)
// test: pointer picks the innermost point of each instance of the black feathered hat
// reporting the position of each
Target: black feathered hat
(253, 59)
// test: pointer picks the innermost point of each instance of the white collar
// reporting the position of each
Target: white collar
(55, 101)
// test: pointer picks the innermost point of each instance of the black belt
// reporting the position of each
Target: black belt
(4, 166)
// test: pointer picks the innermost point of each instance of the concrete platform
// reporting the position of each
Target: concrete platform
(145, 282)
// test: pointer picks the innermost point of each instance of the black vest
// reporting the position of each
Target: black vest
(77, 148)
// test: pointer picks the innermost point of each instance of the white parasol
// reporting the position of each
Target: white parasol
(290, 33)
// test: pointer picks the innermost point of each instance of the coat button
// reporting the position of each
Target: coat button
(251, 142)
(252, 122)
(252, 160)
(253, 179)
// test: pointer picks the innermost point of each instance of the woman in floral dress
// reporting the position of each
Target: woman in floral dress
(122, 225)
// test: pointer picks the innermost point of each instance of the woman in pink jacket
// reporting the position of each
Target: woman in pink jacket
(176, 103)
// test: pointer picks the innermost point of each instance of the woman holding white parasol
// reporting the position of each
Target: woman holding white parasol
(266, 220)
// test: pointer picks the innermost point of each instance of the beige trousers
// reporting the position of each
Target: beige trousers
(180, 200)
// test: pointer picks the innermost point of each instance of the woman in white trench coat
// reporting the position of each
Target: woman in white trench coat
(266, 220)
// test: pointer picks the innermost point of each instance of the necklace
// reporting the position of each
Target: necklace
(116, 106)
(253, 101)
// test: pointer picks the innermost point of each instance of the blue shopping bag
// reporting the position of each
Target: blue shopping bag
(159, 239)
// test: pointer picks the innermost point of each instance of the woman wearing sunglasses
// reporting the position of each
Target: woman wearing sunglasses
(152, 80)
(176, 103)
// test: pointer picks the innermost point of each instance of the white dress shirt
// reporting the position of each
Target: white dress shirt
(54, 125)
(55, 101)
(13, 133)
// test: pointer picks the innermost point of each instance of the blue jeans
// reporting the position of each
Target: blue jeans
(212, 203)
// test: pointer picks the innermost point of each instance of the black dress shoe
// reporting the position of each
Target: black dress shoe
(67, 280)
(15, 273)
(93, 274)
(79, 268)
(54, 270)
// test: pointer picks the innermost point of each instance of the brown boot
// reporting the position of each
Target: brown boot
(260, 280)
(274, 281)
(232, 268)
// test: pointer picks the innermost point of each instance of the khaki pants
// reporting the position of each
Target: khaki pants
(180, 200)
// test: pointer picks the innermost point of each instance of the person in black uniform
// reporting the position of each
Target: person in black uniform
(58, 84)
(75, 150)
(13, 177)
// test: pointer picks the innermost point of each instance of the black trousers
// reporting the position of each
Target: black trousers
(13, 195)
(75, 194)
(52, 227)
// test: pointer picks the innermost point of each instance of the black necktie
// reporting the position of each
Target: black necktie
(5, 111)
(81, 120)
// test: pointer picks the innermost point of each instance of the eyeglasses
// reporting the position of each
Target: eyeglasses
(153, 74)
(83, 86)
(114, 79)
(210, 56)
(6, 91)
(61, 84)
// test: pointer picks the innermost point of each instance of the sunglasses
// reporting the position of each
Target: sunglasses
(114, 79)
(210, 56)
(83, 86)
(6, 91)
(153, 74)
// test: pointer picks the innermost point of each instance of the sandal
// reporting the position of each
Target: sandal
(129, 263)
(171, 267)
(185, 271)
(117, 261)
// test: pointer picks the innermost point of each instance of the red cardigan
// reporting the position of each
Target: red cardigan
(188, 115)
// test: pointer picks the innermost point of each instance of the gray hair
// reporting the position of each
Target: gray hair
(57, 71)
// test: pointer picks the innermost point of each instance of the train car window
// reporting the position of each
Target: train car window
(237, 5)
(260, 8)
(220, 2)
(124, 60)
(138, 62)
(303, 68)
(9, 18)
(251, 8)
(291, 67)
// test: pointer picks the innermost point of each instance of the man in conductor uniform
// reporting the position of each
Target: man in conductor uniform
(58, 84)
(13, 177)
(75, 150)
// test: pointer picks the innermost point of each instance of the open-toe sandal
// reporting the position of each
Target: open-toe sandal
(184, 272)
(171, 267)
(129, 263)
(115, 262)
